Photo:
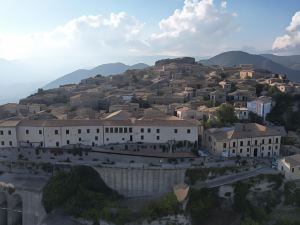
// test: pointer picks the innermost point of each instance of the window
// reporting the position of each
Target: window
(142, 130)
(2, 143)
(111, 130)
(79, 131)
(142, 137)
(262, 148)
(277, 140)
(79, 139)
(116, 130)
(270, 141)
(241, 143)
(263, 141)
(121, 130)
(224, 145)
(149, 130)
(276, 147)
(241, 150)
(248, 149)
(106, 130)
(88, 131)
(130, 129)
(27, 132)
(40, 132)
(175, 131)
(249, 143)
(9, 132)
(233, 144)
(157, 137)
(269, 147)
(68, 142)
(96, 138)
(188, 131)
(10, 143)
(125, 130)
(98, 131)
(293, 170)
(1, 132)
(67, 131)
(41, 144)
(57, 144)
(56, 132)
(233, 151)
(158, 131)
(255, 142)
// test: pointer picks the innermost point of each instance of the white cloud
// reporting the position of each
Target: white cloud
(198, 28)
(83, 35)
(224, 4)
(291, 40)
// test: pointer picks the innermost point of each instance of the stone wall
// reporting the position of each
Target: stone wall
(141, 181)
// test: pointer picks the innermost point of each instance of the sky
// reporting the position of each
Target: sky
(58, 36)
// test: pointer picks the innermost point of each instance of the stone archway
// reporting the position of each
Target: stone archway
(16, 210)
(3, 209)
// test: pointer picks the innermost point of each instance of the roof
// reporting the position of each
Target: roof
(263, 99)
(246, 130)
(293, 160)
(168, 121)
(118, 115)
(9, 123)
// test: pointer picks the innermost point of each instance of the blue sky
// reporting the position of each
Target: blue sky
(28, 29)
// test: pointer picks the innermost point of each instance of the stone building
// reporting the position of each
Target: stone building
(245, 140)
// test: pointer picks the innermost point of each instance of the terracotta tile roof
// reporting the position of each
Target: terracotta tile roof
(248, 130)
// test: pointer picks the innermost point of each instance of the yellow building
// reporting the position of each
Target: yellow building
(244, 139)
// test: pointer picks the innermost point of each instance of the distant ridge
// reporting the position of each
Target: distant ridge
(233, 58)
(104, 69)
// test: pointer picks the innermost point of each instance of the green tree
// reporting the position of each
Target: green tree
(249, 221)
(80, 192)
(225, 114)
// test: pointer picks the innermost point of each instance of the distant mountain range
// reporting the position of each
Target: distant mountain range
(289, 65)
(104, 69)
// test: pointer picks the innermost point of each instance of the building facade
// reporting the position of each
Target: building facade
(290, 167)
(261, 106)
(59, 133)
(245, 140)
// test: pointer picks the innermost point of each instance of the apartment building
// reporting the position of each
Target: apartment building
(59, 133)
(261, 106)
(245, 140)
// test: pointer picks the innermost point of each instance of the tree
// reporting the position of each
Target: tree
(81, 193)
(249, 221)
(225, 114)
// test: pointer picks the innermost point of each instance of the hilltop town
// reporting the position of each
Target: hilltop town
(171, 127)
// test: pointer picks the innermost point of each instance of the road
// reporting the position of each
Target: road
(229, 179)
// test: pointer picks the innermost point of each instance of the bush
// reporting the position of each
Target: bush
(80, 192)
(167, 205)
(201, 203)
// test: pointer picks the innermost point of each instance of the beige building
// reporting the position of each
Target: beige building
(187, 113)
(290, 167)
(226, 85)
(245, 140)
(247, 74)
(241, 113)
